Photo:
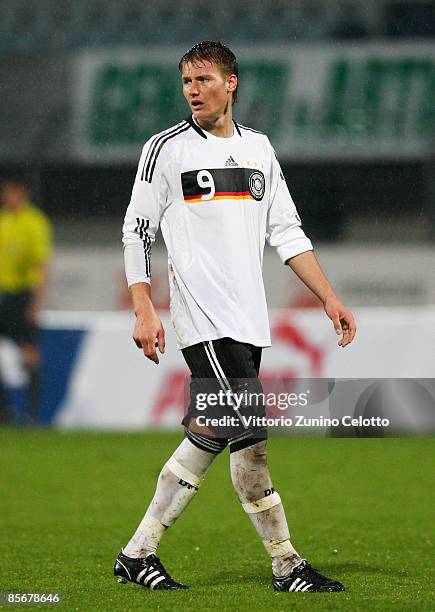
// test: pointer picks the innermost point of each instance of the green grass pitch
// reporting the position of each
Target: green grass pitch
(359, 509)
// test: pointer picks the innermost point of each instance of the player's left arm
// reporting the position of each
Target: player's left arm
(307, 268)
(284, 232)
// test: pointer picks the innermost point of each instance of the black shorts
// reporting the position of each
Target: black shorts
(14, 322)
(225, 391)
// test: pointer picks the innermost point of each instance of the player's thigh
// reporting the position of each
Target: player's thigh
(223, 358)
(222, 366)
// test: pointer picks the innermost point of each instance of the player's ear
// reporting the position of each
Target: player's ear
(232, 83)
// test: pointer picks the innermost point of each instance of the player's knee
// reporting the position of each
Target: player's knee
(250, 474)
(206, 443)
(251, 480)
(254, 455)
(258, 452)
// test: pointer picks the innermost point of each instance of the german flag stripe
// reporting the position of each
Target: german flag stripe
(220, 195)
(191, 199)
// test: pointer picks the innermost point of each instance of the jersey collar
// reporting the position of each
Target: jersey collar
(201, 132)
(195, 126)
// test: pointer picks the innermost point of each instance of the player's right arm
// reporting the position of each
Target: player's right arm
(142, 219)
(148, 330)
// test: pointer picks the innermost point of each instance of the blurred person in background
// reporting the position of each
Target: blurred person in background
(25, 251)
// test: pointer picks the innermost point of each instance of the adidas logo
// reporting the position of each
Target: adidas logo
(230, 162)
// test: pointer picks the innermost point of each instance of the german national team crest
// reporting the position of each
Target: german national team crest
(256, 185)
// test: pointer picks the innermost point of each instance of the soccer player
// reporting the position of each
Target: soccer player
(216, 189)
(25, 249)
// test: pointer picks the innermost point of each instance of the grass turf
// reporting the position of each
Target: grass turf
(359, 510)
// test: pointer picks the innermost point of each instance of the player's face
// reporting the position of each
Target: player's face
(207, 90)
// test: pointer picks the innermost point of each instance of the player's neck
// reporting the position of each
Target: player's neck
(221, 126)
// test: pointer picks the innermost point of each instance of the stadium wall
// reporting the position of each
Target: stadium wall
(94, 377)
(363, 275)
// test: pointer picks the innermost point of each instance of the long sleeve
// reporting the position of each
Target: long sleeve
(142, 219)
(284, 231)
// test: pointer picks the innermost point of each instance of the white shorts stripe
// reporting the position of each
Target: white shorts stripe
(214, 446)
(210, 441)
(218, 365)
(245, 434)
(220, 374)
(215, 368)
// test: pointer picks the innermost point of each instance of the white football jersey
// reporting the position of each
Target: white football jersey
(217, 201)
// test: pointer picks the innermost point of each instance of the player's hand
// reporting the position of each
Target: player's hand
(342, 318)
(149, 334)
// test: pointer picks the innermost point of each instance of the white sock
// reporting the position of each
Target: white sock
(176, 486)
(251, 479)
